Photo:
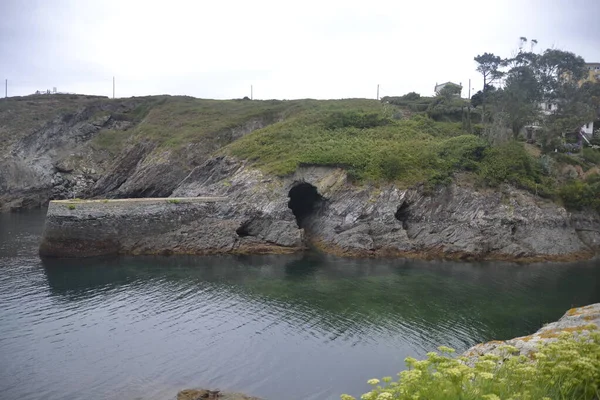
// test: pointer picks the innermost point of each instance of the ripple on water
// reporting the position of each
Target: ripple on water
(294, 327)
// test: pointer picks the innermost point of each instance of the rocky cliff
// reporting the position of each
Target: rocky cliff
(318, 207)
(70, 147)
(56, 147)
(453, 221)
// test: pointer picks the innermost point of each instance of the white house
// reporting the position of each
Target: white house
(549, 108)
(588, 129)
(442, 85)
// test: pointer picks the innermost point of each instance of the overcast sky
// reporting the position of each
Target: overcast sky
(286, 50)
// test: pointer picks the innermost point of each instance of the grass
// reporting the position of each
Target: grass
(406, 151)
(22, 115)
(374, 141)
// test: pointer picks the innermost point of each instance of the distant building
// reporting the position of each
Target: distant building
(588, 129)
(593, 71)
(442, 85)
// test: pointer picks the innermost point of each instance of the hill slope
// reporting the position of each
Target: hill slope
(61, 146)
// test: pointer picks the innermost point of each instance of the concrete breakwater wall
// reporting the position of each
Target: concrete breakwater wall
(198, 225)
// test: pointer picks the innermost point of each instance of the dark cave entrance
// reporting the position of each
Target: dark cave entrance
(402, 215)
(304, 201)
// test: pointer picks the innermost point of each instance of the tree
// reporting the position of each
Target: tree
(558, 71)
(477, 98)
(488, 66)
(449, 91)
(412, 96)
(520, 98)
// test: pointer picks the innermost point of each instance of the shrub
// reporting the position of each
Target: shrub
(478, 129)
(71, 206)
(568, 368)
(579, 194)
(411, 96)
(591, 155)
(508, 163)
(352, 119)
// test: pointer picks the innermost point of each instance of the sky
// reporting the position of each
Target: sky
(320, 49)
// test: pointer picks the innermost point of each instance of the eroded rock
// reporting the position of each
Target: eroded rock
(579, 321)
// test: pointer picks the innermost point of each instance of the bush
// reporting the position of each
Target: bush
(566, 369)
(508, 163)
(444, 109)
(411, 96)
(579, 194)
(352, 119)
(591, 155)
(478, 129)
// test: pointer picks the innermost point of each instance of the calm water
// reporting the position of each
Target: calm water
(288, 328)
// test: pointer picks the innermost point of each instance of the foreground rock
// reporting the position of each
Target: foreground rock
(201, 394)
(318, 207)
(580, 321)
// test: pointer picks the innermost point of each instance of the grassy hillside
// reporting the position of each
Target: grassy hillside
(21, 115)
(374, 141)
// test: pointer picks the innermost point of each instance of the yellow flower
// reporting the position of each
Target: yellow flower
(486, 375)
(384, 396)
(445, 349)
(373, 382)
(490, 397)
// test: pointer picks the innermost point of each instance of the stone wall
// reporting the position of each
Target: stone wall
(84, 228)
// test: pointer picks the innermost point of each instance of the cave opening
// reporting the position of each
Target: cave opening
(304, 201)
(402, 214)
(243, 230)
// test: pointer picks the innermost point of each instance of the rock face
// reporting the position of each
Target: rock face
(59, 159)
(453, 221)
(55, 161)
(579, 321)
(204, 394)
(318, 207)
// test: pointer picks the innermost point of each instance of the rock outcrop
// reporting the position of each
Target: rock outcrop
(579, 321)
(204, 394)
(317, 207)
(56, 161)
(59, 159)
(453, 221)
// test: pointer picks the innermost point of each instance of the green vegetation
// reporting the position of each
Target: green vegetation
(71, 206)
(367, 142)
(407, 140)
(173, 201)
(179, 121)
(579, 195)
(566, 369)
(22, 115)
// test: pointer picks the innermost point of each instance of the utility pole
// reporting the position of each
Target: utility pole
(113, 87)
(251, 93)
(469, 89)
(378, 91)
(469, 126)
(6, 88)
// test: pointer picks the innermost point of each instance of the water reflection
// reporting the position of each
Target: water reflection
(430, 294)
(303, 327)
